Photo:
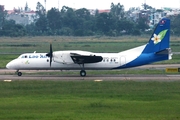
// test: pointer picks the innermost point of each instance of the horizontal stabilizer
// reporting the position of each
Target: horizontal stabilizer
(165, 51)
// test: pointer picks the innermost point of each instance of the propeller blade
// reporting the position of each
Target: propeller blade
(50, 61)
(51, 49)
(50, 54)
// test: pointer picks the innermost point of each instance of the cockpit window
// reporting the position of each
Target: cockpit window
(23, 56)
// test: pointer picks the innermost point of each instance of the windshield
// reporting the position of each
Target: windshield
(22, 56)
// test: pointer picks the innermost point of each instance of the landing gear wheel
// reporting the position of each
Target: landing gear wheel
(19, 73)
(83, 73)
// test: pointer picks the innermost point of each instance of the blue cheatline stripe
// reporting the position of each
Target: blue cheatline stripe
(145, 59)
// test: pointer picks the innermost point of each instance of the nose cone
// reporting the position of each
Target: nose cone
(12, 65)
(8, 66)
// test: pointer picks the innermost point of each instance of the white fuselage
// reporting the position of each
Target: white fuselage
(39, 61)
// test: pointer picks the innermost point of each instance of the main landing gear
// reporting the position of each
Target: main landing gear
(18, 73)
(83, 73)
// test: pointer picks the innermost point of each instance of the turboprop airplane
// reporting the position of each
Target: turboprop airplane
(157, 49)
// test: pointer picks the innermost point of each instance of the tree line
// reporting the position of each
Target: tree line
(80, 22)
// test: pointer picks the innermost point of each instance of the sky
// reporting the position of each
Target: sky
(89, 4)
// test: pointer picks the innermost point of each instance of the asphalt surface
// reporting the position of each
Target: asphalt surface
(95, 78)
(9, 75)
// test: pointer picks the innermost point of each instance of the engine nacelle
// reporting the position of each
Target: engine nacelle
(62, 57)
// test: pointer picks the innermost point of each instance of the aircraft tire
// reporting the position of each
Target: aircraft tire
(83, 73)
(19, 73)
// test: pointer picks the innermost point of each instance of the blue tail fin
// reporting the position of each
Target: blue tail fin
(159, 40)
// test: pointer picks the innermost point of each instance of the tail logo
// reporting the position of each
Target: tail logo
(157, 38)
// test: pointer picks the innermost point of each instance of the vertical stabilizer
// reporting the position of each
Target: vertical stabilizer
(160, 38)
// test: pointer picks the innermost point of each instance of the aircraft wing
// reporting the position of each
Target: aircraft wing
(81, 59)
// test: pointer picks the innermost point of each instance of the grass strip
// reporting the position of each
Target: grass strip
(44, 100)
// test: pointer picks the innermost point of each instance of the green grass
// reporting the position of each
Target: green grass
(94, 44)
(87, 100)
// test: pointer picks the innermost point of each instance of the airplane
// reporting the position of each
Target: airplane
(157, 49)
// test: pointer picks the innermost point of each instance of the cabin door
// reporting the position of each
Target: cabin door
(122, 60)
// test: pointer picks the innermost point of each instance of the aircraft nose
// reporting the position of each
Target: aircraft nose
(11, 65)
(8, 66)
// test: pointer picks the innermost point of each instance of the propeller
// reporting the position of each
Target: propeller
(50, 54)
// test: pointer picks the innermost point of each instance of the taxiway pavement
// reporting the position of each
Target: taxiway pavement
(93, 77)
(9, 75)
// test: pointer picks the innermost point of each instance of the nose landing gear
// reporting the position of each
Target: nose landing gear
(18, 73)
